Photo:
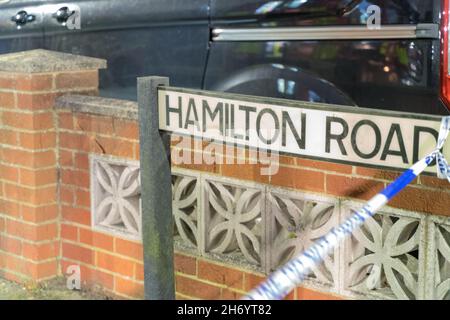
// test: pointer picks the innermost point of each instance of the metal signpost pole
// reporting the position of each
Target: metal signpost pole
(157, 221)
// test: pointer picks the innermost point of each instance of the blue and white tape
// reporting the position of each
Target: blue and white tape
(283, 281)
(442, 164)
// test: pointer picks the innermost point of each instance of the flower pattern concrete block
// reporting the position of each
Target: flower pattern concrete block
(381, 259)
(115, 195)
(185, 206)
(297, 221)
(234, 219)
(438, 266)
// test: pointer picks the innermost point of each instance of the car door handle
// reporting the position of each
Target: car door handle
(63, 14)
(22, 18)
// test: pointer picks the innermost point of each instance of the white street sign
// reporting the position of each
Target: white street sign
(358, 136)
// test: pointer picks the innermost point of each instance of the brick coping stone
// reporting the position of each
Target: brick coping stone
(99, 106)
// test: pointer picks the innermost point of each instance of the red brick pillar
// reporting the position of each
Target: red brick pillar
(29, 225)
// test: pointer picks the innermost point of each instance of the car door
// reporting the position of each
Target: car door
(136, 37)
(322, 51)
(21, 25)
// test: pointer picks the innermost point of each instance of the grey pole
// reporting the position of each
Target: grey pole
(156, 188)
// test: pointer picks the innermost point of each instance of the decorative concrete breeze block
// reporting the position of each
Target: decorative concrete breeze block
(115, 197)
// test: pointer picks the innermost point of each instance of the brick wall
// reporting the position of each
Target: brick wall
(199, 278)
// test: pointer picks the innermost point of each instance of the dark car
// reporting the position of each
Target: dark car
(315, 50)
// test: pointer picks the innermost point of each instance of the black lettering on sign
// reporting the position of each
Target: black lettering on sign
(287, 121)
(192, 109)
(395, 130)
(247, 119)
(178, 111)
(227, 119)
(212, 115)
(417, 135)
(377, 132)
(232, 133)
(337, 137)
(276, 122)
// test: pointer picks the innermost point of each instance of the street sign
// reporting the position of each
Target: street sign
(351, 135)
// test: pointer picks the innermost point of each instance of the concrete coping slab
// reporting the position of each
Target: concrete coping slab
(43, 61)
(99, 106)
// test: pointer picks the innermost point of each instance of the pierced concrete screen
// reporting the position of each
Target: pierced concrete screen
(116, 194)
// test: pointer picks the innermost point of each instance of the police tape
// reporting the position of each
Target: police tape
(284, 280)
